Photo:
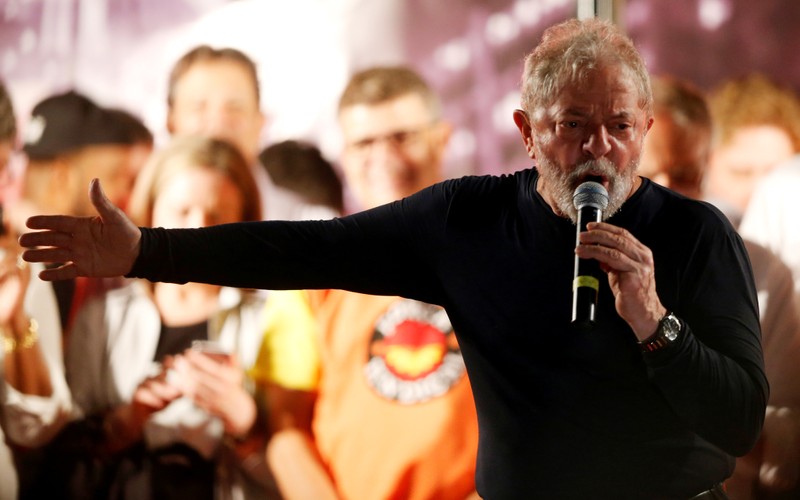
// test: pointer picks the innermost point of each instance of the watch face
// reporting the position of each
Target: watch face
(671, 326)
(668, 329)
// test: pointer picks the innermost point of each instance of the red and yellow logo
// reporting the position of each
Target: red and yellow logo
(414, 355)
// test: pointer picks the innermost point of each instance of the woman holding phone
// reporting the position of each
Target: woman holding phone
(176, 378)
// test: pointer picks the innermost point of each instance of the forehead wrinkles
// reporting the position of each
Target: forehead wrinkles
(617, 78)
(609, 93)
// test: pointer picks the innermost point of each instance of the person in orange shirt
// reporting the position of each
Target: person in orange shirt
(394, 417)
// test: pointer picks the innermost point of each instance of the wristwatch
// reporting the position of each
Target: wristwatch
(668, 329)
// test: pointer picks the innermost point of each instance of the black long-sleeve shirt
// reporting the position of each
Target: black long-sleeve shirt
(563, 412)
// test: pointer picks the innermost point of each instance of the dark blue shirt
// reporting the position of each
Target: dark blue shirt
(563, 413)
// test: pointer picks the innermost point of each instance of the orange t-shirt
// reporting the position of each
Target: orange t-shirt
(395, 416)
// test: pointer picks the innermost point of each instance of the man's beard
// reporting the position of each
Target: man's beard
(561, 185)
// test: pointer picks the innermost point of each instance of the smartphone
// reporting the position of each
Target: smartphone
(211, 348)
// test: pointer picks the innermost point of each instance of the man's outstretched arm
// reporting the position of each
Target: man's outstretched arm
(100, 246)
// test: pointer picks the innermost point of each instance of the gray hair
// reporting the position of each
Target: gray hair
(572, 49)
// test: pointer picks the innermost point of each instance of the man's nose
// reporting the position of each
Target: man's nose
(596, 144)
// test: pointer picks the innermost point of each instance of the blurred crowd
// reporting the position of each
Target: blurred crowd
(130, 389)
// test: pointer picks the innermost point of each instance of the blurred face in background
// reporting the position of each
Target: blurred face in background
(217, 99)
(661, 156)
(392, 149)
(736, 166)
(197, 197)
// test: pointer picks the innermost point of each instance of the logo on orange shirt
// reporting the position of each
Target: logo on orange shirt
(414, 355)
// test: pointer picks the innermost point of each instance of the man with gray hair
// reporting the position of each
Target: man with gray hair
(652, 402)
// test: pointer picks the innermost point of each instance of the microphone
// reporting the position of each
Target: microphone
(590, 199)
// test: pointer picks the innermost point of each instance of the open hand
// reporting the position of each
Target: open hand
(102, 246)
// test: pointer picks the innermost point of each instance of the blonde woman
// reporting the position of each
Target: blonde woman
(178, 376)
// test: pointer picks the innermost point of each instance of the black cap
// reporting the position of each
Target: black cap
(65, 122)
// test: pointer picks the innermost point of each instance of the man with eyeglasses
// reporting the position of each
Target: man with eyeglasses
(394, 416)
(394, 135)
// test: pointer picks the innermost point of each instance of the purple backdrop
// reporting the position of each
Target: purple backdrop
(119, 52)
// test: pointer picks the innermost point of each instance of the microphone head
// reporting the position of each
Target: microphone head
(590, 194)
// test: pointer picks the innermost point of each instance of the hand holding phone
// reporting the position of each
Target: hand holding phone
(212, 349)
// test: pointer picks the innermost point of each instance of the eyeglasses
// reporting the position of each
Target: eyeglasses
(401, 139)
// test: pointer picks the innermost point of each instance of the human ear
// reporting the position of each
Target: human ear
(523, 123)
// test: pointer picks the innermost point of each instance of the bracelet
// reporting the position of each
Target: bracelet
(10, 344)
